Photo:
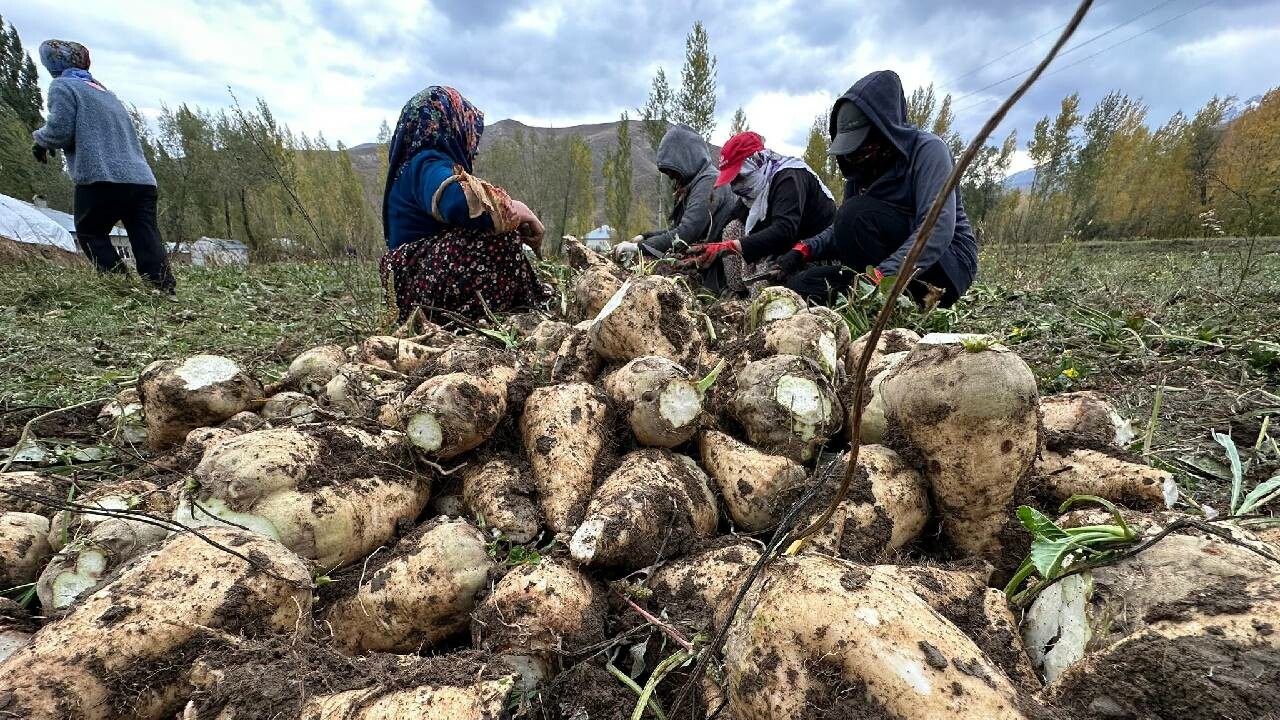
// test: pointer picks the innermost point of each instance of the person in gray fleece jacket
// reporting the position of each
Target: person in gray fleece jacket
(113, 181)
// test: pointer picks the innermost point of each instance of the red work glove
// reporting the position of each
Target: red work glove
(875, 275)
(706, 253)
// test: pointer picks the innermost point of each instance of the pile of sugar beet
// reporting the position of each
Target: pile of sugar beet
(449, 524)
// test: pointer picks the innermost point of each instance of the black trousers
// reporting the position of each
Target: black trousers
(99, 206)
(866, 232)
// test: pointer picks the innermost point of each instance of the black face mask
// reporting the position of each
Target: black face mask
(871, 160)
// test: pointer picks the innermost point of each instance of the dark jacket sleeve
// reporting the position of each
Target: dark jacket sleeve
(786, 207)
(453, 203)
(695, 221)
(932, 165)
(59, 131)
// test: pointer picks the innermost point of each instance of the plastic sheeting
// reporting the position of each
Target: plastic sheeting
(24, 223)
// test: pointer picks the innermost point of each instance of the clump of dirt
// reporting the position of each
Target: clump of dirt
(1189, 678)
(245, 677)
(831, 697)
(587, 690)
(343, 458)
(1000, 644)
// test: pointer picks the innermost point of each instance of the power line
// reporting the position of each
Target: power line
(1087, 58)
(1006, 54)
(1072, 49)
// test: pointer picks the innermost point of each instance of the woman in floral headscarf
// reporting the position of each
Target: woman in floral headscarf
(454, 241)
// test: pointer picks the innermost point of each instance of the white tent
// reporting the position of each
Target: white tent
(24, 223)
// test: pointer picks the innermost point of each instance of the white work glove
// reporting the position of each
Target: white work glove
(624, 249)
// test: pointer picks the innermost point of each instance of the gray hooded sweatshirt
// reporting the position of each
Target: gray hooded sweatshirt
(701, 210)
(922, 168)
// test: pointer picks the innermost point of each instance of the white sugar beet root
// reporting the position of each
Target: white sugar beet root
(773, 303)
(24, 547)
(970, 409)
(148, 616)
(89, 547)
(654, 494)
(1089, 472)
(751, 482)
(289, 408)
(199, 391)
(450, 414)
(1163, 633)
(816, 627)
(500, 491)
(563, 428)
(648, 315)
(786, 406)
(712, 576)
(886, 508)
(576, 360)
(29, 485)
(807, 335)
(536, 612)
(312, 370)
(592, 289)
(662, 400)
(893, 340)
(1087, 419)
(981, 612)
(331, 495)
(424, 595)
(395, 354)
(873, 420)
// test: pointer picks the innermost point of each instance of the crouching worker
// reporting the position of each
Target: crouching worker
(454, 241)
(892, 173)
(787, 201)
(700, 211)
(113, 181)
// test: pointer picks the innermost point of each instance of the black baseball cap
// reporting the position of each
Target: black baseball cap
(851, 127)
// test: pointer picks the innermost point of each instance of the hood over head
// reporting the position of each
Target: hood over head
(880, 96)
(683, 152)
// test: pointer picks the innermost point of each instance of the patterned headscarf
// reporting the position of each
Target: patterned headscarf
(65, 58)
(440, 119)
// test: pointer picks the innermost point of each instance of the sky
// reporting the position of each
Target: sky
(341, 67)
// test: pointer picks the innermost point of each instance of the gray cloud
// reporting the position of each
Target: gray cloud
(590, 59)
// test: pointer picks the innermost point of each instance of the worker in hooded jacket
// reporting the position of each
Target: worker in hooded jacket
(893, 171)
(700, 211)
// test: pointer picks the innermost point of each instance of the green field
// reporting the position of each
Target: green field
(1135, 320)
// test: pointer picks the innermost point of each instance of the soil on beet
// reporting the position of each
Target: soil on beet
(252, 686)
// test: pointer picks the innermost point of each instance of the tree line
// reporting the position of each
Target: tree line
(1104, 173)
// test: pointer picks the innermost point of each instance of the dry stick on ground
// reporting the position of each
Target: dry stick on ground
(860, 376)
(26, 429)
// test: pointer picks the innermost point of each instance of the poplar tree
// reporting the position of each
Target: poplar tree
(739, 122)
(696, 102)
(617, 181)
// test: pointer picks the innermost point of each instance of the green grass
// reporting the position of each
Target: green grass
(71, 335)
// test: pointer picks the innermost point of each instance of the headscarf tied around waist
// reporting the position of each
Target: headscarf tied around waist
(766, 164)
(439, 119)
(66, 59)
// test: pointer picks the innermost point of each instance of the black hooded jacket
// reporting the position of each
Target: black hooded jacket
(910, 184)
(701, 209)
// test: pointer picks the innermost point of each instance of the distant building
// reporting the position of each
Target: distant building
(119, 238)
(601, 239)
(211, 251)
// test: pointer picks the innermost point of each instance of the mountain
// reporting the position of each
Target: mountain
(602, 138)
(1021, 180)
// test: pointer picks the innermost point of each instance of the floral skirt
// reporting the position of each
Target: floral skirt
(463, 271)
